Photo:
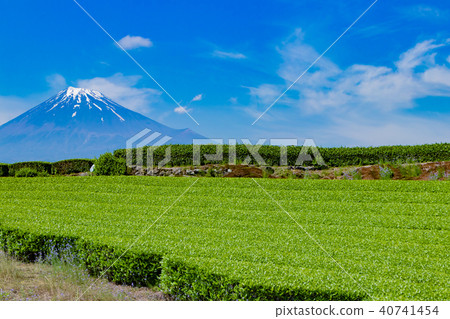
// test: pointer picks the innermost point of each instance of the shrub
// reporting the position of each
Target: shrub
(71, 166)
(37, 166)
(410, 170)
(4, 169)
(26, 172)
(107, 164)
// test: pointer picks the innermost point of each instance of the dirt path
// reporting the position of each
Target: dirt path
(37, 281)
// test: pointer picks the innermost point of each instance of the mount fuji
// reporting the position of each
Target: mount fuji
(78, 123)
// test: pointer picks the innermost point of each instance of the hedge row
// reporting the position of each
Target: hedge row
(189, 282)
(4, 169)
(141, 269)
(58, 168)
(175, 277)
(72, 166)
(37, 166)
(182, 155)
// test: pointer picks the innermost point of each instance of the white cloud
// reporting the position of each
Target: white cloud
(13, 106)
(264, 94)
(121, 89)
(181, 110)
(421, 54)
(424, 11)
(395, 130)
(133, 42)
(198, 97)
(326, 87)
(228, 55)
(56, 82)
(361, 104)
(438, 75)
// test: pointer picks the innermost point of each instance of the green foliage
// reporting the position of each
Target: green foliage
(210, 173)
(4, 170)
(182, 155)
(226, 239)
(410, 170)
(37, 166)
(107, 164)
(132, 268)
(43, 174)
(309, 175)
(71, 166)
(26, 172)
(440, 172)
(139, 269)
(188, 281)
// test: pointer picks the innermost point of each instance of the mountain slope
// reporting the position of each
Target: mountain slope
(77, 123)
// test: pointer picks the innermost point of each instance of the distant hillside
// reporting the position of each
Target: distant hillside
(78, 123)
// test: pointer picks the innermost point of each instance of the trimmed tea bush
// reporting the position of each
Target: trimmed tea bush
(107, 164)
(26, 172)
(182, 155)
(226, 239)
(37, 166)
(71, 166)
(4, 169)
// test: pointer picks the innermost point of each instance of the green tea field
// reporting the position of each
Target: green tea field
(230, 239)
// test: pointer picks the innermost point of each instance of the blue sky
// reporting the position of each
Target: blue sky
(387, 81)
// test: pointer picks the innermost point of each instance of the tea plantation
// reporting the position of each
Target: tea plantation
(227, 239)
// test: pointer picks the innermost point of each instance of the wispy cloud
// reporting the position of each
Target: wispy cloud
(181, 110)
(356, 104)
(228, 55)
(424, 11)
(198, 97)
(121, 89)
(133, 42)
(13, 106)
(56, 81)
(416, 75)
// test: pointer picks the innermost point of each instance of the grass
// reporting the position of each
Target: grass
(60, 281)
(390, 236)
(410, 170)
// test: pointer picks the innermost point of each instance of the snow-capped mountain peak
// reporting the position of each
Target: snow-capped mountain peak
(73, 92)
(88, 102)
(77, 123)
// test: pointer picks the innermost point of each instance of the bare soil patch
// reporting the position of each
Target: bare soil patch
(42, 282)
